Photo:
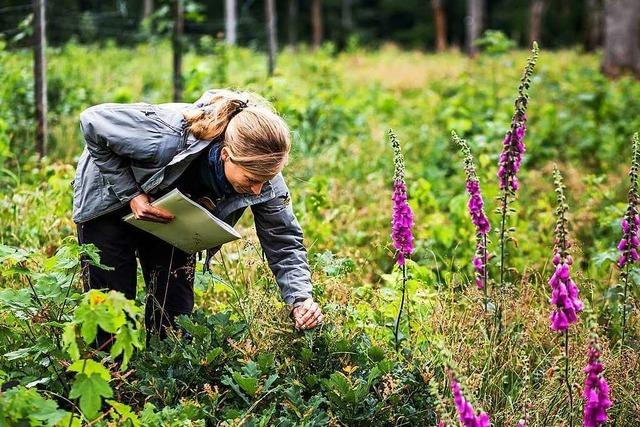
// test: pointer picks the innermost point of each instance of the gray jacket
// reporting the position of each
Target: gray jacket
(143, 148)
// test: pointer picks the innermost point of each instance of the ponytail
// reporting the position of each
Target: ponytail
(257, 138)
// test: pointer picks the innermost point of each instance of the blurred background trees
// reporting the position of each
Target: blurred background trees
(426, 24)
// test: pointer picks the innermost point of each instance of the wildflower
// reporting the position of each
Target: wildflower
(564, 294)
(513, 146)
(401, 225)
(510, 158)
(596, 390)
(402, 221)
(476, 211)
(628, 246)
(468, 417)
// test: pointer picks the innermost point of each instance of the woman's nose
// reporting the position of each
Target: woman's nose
(256, 188)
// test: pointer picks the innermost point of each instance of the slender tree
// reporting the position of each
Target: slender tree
(40, 75)
(230, 21)
(316, 22)
(272, 38)
(535, 20)
(621, 38)
(440, 18)
(147, 8)
(474, 23)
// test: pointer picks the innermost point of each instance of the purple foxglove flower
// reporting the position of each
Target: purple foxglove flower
(564, 291)
(564, 296)
(476, 211)
(402, 222)
(511, 157)
(402, 219)
(596, 391)
(466, 413)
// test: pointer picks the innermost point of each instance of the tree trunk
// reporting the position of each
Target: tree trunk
(440, 18)
(621, 38)
(147, 9)
(40, 75)
(293, 23)
(316, 22)
(176, 41)
(593, 25)
(272, 39)
(230, 21)
(535, 20)
(474, 22)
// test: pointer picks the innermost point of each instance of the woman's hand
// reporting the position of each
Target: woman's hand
(142, 209)
(308, 315)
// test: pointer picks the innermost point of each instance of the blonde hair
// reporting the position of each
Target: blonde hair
(256, 137)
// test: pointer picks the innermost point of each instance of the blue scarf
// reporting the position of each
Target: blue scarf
(212, 172)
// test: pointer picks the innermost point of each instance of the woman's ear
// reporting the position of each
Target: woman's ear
(224, 154)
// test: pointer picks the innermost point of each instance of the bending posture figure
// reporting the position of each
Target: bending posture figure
(228, 147)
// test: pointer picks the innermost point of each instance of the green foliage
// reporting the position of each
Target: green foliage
(237, 359)
(90, 385)
(494, 43)
(111, 312)
(20, 406)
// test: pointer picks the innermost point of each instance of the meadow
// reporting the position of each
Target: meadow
(242, 363)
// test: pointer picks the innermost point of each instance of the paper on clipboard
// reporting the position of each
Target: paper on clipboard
(193, 229)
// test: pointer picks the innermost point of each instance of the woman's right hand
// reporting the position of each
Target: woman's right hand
(143, 209)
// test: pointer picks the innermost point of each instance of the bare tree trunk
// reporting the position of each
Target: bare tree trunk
(176, 41)
(535, 21)
(474, 23)
(441, 25)
(40, 75)
(230, 21)
(316, 22)
(272, 39)
(147, 9)
(621, 38)
(593, 25)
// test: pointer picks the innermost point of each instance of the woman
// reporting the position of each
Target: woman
(228, 148)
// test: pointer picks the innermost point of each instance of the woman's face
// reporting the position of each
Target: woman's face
(241, 180)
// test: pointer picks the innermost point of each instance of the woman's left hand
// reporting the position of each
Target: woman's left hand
(308, 315)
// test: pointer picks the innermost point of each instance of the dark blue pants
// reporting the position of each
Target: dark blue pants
(168, 272)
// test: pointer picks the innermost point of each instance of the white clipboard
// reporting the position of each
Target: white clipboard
(193, 228)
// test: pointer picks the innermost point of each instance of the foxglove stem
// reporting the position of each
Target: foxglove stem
(564, 295)
(511, 157)
(478, 216)
(396, 328)
(402, 224)
(566, 375)
(629, 245)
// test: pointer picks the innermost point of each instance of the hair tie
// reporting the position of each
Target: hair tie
(241, 105)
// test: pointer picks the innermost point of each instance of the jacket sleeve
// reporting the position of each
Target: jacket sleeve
(115, 134)
(280, 236)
